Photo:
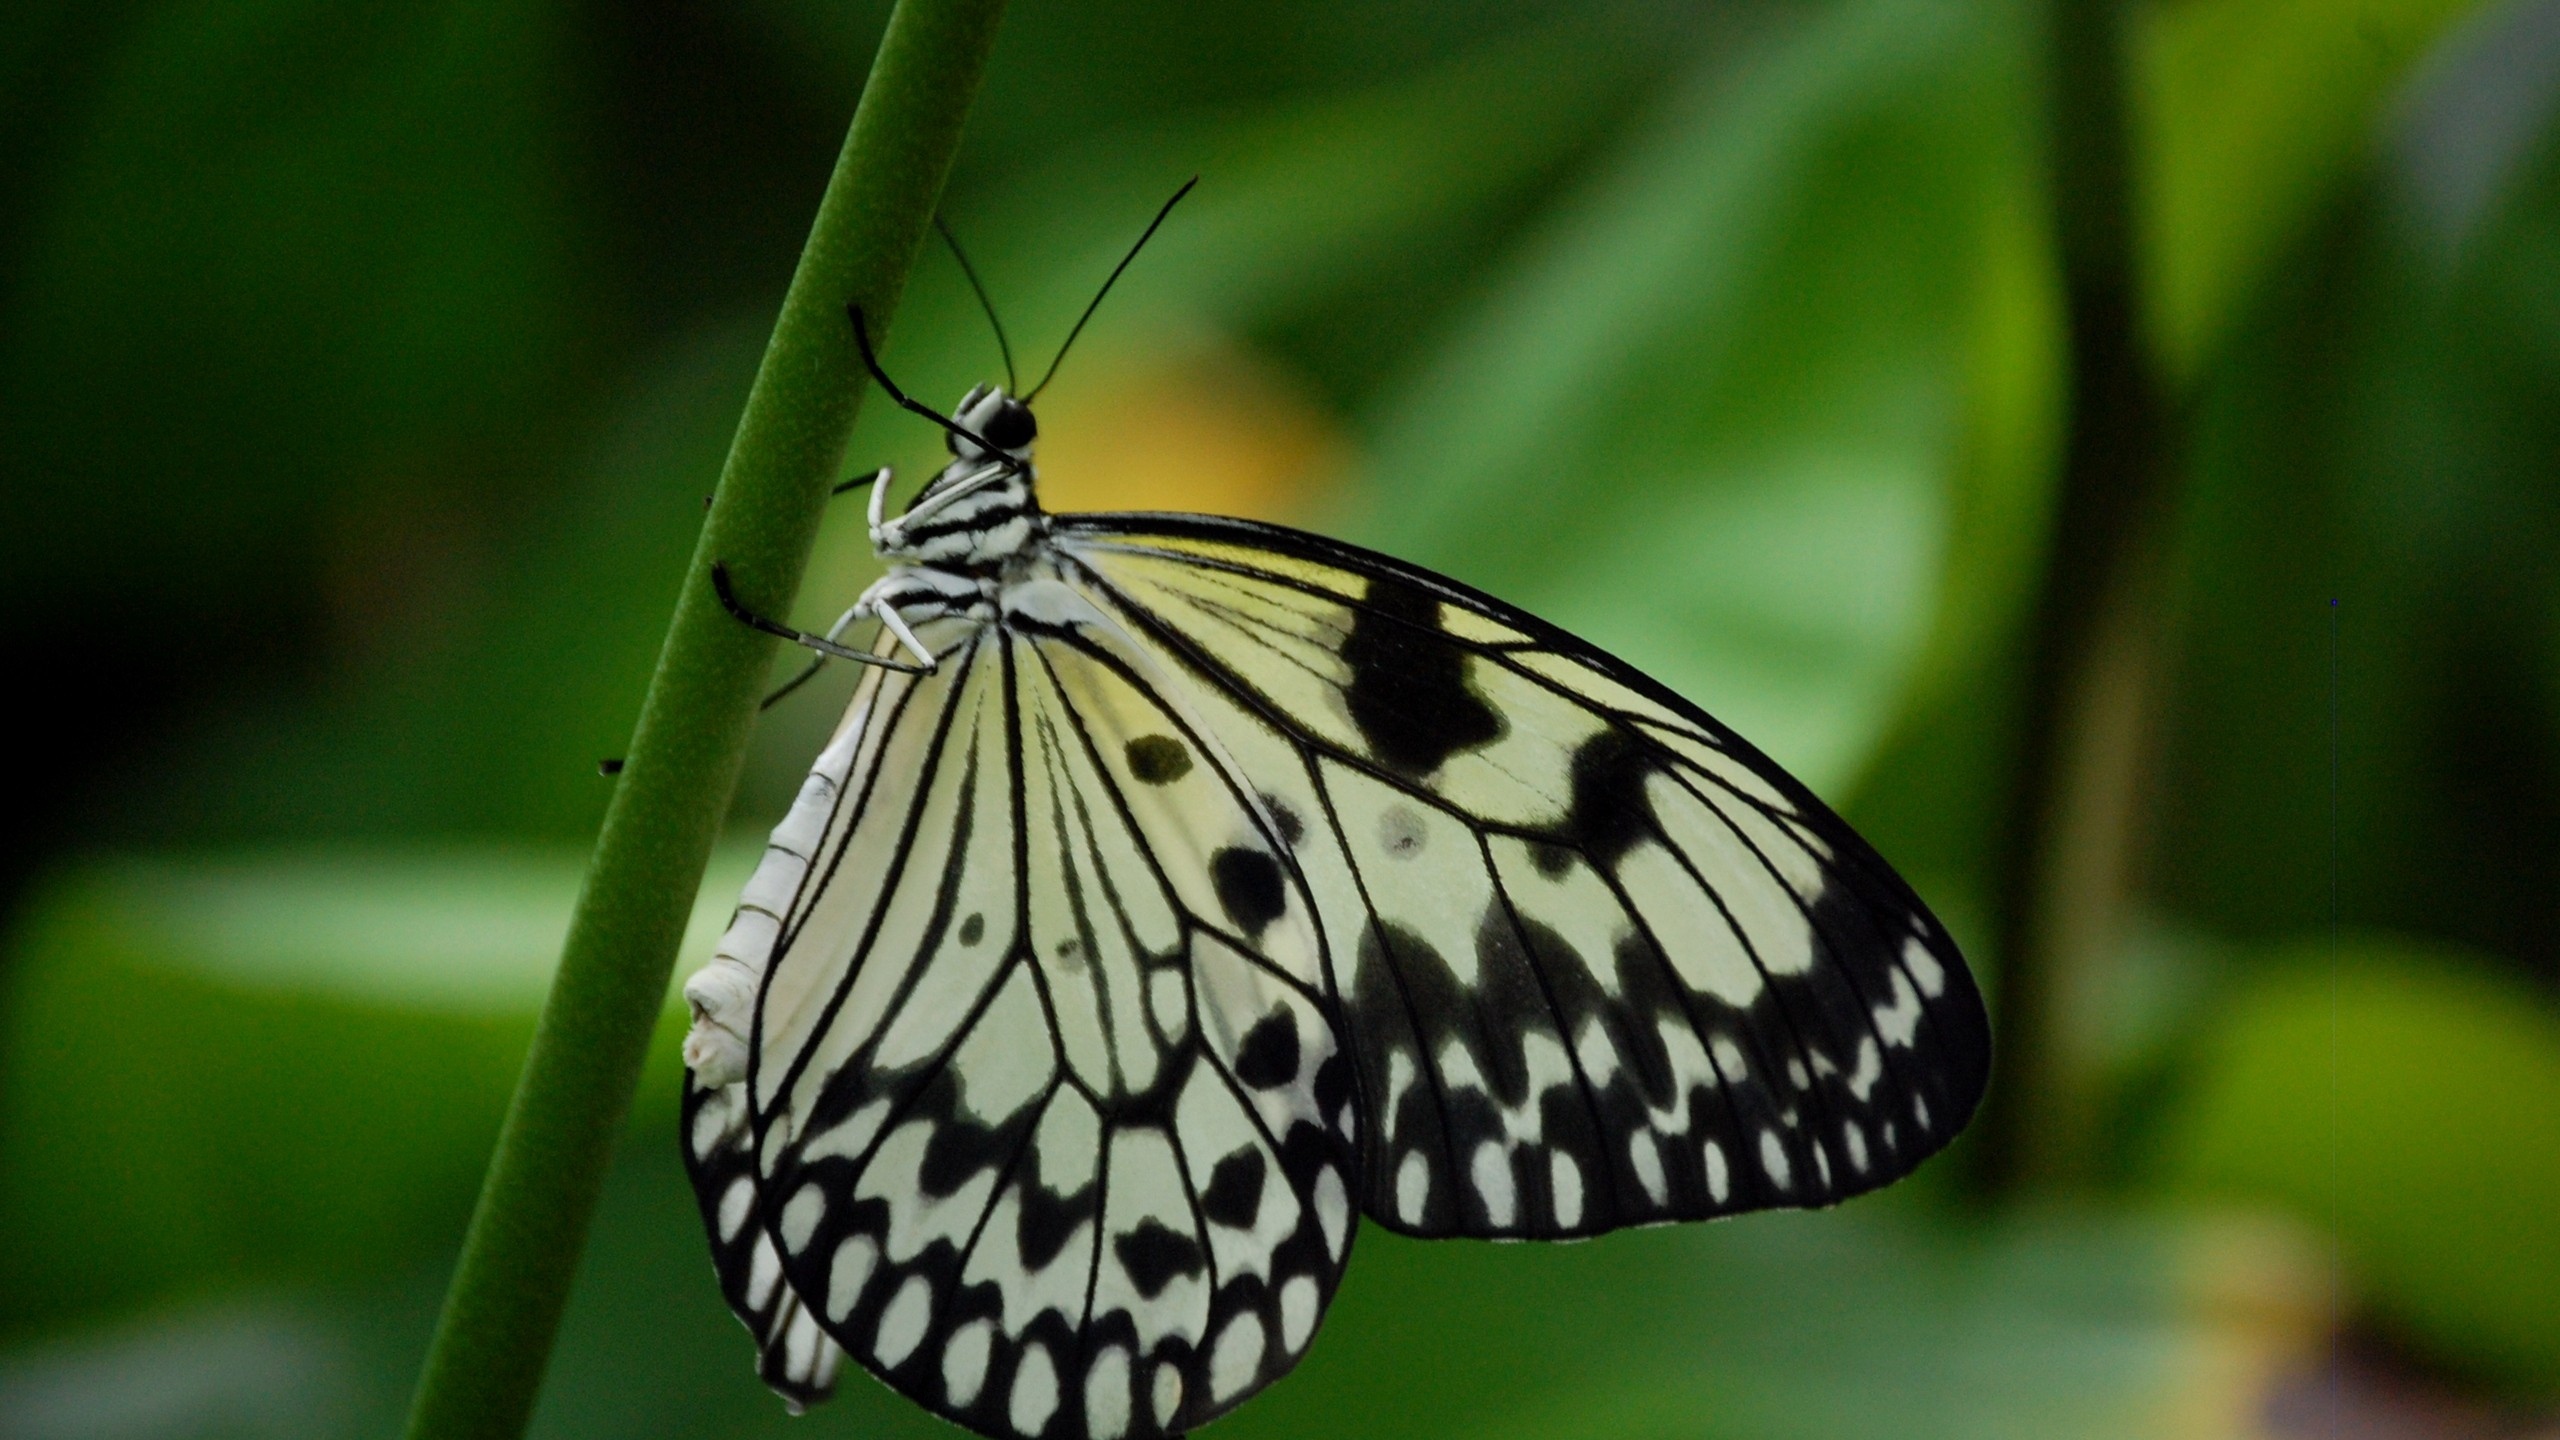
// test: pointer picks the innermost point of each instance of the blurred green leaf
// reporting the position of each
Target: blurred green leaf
(275, 1067)
(1711, 417)
(2252, 117)
(494, 727)
(2367, 565)
(2407, 1100)
(295, 243)
(1129, 65)
(1300, 210)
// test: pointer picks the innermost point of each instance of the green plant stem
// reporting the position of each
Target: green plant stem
(494, 1340)
(2073, 816)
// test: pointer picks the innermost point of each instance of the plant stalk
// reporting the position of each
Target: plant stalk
(484, 1369)
(2072, 821)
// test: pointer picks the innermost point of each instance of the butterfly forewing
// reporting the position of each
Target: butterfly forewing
(1601, 963)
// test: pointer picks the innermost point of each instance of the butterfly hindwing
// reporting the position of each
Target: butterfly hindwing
(794, 1355)
(1600, 962)
(1044, 1070)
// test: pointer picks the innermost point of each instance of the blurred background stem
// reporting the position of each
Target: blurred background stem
(2073, 815)
(503, 1312)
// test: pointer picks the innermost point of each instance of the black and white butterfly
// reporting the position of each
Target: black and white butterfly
(1178, 891)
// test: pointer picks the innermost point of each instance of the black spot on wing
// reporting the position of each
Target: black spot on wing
(1268, 1058)
(1408, 691)
(958, 1149)
(1158, 759)
(973, 929)
(1609, 812)
(1292, 829)
(1234, 1196)
(1153, 1254)
(1552, 860)
(1048, 1221)
(1248, 885)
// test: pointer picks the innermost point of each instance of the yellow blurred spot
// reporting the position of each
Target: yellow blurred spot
(1202, 427)
(2261, 1299)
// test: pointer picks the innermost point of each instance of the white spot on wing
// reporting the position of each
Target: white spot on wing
(1333, 1210)
(1719, 1181)
(1690, 1070)
(735, 1203)
(1597, 1052)
(964, 1363)
(903, 1323)
(1564, 1178)
(1298, 1303)
(1237, 1357)
(848, 1274)
(1491, 1171)
(1400, 1078)
(1869, 1070)
(1729, 1060)
(1773, 1159)
(1035, 1390)
(764, 1271)
(1413, 1187)
(1106, 1395)
(710, 1123)
(1643, 1154)
(1168, 1396)
(800, 1217)
(1899, 1021)
(1924, 967)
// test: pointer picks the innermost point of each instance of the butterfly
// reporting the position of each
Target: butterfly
(1179, 892)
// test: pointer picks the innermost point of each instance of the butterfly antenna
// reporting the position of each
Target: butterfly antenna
(907, 402)
(1107, 284)
(1011, 385)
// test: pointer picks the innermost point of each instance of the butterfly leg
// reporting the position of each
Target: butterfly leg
(820, 643)
(897, 624)
(816, 662)
(892, 536)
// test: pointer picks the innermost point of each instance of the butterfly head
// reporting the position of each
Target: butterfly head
(998, 418)
(980, 510)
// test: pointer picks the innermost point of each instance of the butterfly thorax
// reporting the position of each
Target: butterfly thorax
(980, 514)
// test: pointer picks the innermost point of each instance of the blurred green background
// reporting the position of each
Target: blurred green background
(362, 368)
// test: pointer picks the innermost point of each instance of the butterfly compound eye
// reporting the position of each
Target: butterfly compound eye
(1011, 426)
